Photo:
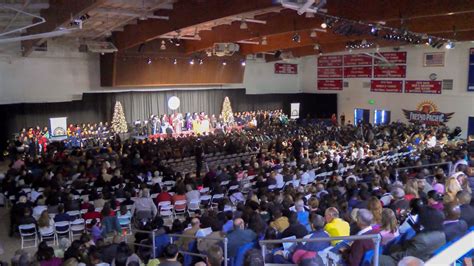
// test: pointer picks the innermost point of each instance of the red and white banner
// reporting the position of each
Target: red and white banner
(423, 86)
(386, 86)
(329, 60)
(330, 84)
(390, 72)
(393, 57)
(358, 72)
(281, 68)
(330, 72)
(357, 60)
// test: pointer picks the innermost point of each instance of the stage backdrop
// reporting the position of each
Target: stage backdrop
(95, 107)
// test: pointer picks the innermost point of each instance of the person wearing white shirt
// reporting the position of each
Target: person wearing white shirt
(279, 180)
(431, 142)
(304, 177)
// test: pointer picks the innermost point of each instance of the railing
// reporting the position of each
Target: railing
(450, 166)
(376, 238)
(223, 239)
(454, 251)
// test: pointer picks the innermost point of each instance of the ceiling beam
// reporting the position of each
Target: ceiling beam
(57, 15)
(33, 6)
(372, 11)
(186, 14)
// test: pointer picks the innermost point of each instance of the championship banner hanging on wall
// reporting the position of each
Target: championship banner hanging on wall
(423, 86)
(427, 113)
(470, 79)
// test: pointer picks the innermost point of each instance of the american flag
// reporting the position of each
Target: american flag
(434, 59)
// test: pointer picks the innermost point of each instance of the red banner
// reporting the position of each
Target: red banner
(357, 60)
(281, 68)
(358, 72)
(330, 84)
(423, 86)
(390, 72)
(329, 60)
(393, 57)
(386, 86)
(330, 72)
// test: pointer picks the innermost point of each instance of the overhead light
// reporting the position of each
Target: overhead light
(191, 62)
(148, 61)
(243, 63)
(264, 41)
(224, 63)
(316, 47)
(309, 15)
(163, 45)
(324, 25)
(243, 25)
(175, 61)
(296, 38)
(313, 34)
(374, 30)
(450, 45)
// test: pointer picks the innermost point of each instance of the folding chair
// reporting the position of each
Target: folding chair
(193, 206)
(46, 235)
(179, 207)
(125, 222)
(78, 227)
(28, 233)
(62, 229)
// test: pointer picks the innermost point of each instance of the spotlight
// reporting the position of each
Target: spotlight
(148, 61)
(201, 61)
(243, 25)
(374, 31)
(191, 62)
(175, 61)
(316, 47)
(264, 41)
(163, 45)
(175, 41)
(243, 63)
(450, 45)
(430, 41)
(224, 63)
(313, 34)
(296, 38)
(324, 25)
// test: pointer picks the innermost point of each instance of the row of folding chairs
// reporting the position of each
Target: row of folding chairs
(29, 232)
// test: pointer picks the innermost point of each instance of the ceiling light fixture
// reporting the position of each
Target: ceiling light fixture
(243, 63)
(296, 38)
(224, 63)
(201, 61)
(163, 45)
(191, 62)
(243, 25)
(148, 61)
(324, 25)
(264, 41)
(450, 45)
(175, 61)
(313, 34)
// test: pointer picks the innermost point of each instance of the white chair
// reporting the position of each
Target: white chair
(205, 199)
(78, 227)
(28, 233)
(217, 198)
(166, 211)
(74, 214)
(162, 204)
(179, 207)
(193, 206)
(225, 183)
(62, 229)
(234, 187)
(204, 190)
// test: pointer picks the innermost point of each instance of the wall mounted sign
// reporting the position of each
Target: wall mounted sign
(357, 60)
(433, 59)
(329, 72)
(427, 113)
(358, 72)
(470, 79)
(390, 71)
(386, 86)
(330, 60)
(393, 57)
(282, 68)
(423, 86)
(330, 84)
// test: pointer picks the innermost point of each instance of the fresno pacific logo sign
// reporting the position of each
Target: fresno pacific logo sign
(427, 113)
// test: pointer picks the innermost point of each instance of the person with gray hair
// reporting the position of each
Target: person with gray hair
(410, 261)
(144, 204)
(358, 248)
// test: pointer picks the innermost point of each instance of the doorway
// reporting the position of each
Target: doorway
(470, 126)
(361, 116)
(381, 117)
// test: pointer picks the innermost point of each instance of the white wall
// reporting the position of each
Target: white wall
(54, 76)
(259, 78)
(355, 96)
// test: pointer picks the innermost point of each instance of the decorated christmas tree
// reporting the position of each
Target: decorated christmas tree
(227, 114)
(119, 124)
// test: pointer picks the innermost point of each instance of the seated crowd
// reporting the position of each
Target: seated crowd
(305, 181)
